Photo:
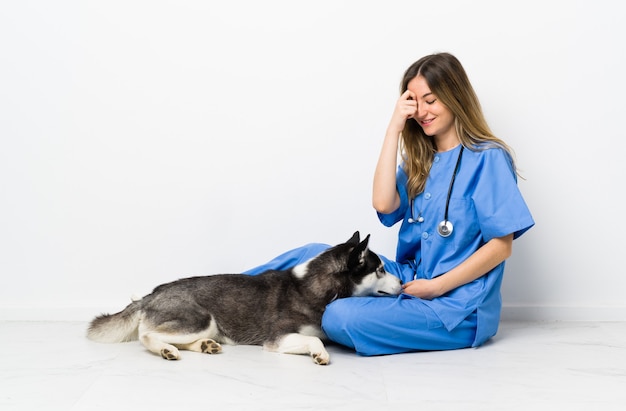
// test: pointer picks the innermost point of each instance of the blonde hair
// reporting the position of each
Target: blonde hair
(447, 80)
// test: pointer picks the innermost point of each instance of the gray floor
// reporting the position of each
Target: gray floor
(527, 366)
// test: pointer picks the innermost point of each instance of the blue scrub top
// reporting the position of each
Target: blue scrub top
(485, 203)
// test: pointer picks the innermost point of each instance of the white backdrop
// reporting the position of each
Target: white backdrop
(144, 141)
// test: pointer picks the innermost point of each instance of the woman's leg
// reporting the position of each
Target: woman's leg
(290, 258)
(390, 325)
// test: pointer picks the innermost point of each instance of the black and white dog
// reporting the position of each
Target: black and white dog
(280, 310)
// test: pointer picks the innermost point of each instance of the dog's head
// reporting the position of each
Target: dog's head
(367, 271)
(348, 269)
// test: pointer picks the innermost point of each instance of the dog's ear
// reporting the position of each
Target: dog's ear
(355, 238)
(357, 255)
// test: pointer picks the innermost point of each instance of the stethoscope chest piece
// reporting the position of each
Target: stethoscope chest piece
(445, 228)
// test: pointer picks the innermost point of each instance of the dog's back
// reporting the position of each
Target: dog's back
(243, 309)
(280, 310)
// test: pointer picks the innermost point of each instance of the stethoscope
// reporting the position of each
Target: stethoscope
(445, 227)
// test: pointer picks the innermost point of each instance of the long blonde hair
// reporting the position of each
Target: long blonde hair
(447, 80)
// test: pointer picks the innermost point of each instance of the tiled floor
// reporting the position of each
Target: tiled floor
(527, 366)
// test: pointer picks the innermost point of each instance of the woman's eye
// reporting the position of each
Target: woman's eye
(431, 102)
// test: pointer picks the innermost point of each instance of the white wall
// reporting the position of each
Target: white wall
(143, 141)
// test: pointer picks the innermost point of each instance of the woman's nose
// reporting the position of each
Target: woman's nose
(420, 112)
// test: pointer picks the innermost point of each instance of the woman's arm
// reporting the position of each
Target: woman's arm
(385, 197)
(478, 264)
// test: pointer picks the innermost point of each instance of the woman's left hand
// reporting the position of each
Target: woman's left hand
(424, 289)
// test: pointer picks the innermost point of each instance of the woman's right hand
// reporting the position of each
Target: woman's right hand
(406, 107)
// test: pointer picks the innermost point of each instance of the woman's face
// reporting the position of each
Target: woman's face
(435, 118)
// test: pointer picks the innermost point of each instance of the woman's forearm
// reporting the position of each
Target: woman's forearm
(478, 264)
(385, 198)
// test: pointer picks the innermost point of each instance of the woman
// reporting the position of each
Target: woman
(456, 196)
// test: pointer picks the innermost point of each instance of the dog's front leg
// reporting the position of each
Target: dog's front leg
(301, 344)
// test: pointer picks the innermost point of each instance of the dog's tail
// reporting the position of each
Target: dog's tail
(116, 328)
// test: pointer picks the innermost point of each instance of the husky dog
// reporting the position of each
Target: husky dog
(280, 310)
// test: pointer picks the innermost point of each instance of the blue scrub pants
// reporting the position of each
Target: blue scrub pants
(381, 325)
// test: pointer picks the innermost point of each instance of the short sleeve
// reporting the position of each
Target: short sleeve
(500, 207)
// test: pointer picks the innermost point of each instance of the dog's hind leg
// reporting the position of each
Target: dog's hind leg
(201, 341)
(166, 342)
(154, 343)
(301, 344)
(168, 349)
(203, 345)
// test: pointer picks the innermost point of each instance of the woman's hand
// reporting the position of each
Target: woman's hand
(424, 289)
(406, 107)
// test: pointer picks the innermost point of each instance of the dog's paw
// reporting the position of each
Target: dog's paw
(321, 358)
(209, 346)
(170, 354)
